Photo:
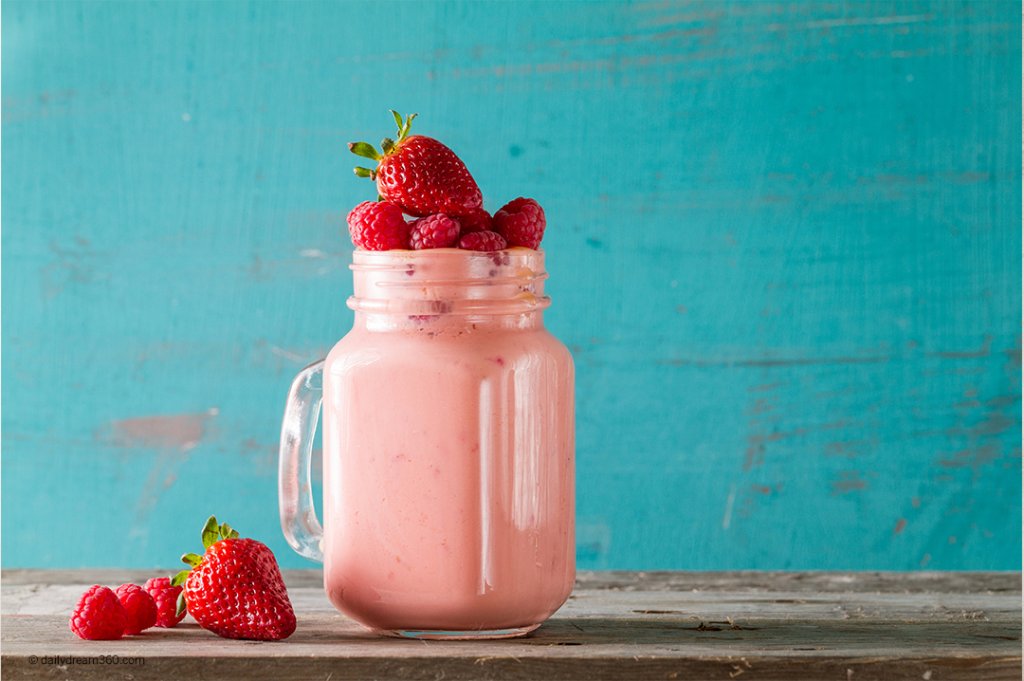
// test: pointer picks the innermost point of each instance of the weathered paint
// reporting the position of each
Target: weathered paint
(177, 431)
(784, 244)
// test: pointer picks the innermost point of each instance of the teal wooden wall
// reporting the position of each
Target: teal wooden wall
(784, 243)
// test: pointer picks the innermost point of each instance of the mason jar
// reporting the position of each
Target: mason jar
(448, 449)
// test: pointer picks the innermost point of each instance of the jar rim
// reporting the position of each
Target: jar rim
(449, 281)
(363, 259)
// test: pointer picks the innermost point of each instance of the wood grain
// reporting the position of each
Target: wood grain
(615, 626)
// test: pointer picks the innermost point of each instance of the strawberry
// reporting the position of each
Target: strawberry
(521, 221)
(235, 588)
(419, 174)
(99, 615)
(482, 241)
(378, 226)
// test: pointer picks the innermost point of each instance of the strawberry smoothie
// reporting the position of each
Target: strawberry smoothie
(448, 447)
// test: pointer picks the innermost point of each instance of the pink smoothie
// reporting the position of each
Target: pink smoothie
(448, 446)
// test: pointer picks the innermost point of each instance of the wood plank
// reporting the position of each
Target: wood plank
(647, 580)
(616, 625)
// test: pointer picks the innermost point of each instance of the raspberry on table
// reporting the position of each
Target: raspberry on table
(99, 615)
(482, 241)
(165, 595)
(434, 231)
(521, 221)
(477, 221)
(378, 226)
(138, 605)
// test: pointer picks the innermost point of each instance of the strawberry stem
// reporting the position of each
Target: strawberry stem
(179, 579)
(211, 532)
(365, 150)
(404, 131)
(403, 126)
(388, 145)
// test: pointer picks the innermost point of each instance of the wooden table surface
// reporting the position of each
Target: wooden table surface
(616, 625)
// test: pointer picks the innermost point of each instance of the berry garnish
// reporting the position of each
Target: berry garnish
(477, 221)
(235, 588)
(99, 615)
(378, 226)
(482, 241)
(521, 221)
(419, 174)
(139, 607)
(434, 231)
(165, 595)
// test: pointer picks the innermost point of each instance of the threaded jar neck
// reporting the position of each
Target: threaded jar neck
(448, 285)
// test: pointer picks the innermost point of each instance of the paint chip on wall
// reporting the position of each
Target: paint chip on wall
(172, 431)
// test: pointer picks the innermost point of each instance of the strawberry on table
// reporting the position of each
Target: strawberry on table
(419, 174)
(235, 588)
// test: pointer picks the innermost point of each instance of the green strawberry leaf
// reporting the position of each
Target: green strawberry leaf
(228, 532)
(210, 532)
(365, 150)
(405, 128)
(364, 172)
(398, 120)
(387, 144)
(179, 579)
(181, 605)
(192, 559)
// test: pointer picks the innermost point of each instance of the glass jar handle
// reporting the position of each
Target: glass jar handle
(299, 523)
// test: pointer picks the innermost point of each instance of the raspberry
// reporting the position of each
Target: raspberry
(138, 605)
(521, 221)
(378, 226)
(477, 221)
(99, 615)
(482, 241)
(435, 231)
(166, 598)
